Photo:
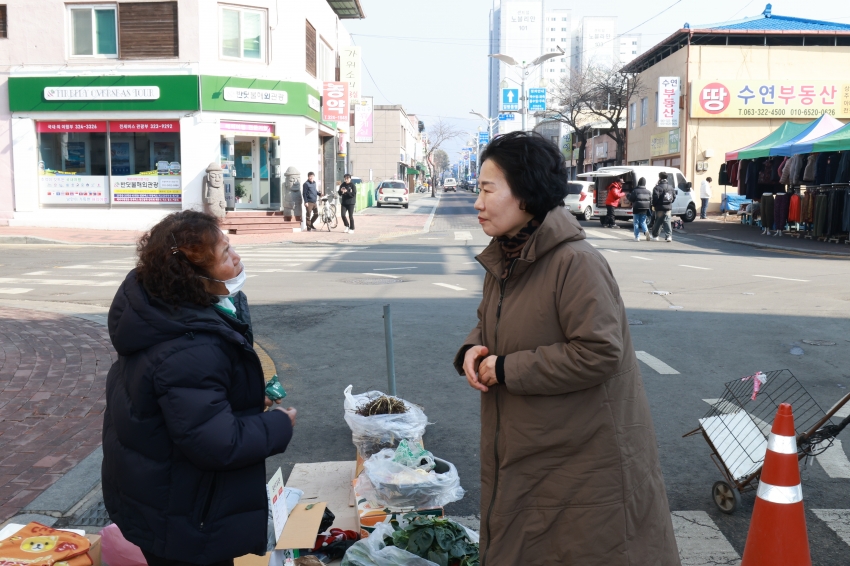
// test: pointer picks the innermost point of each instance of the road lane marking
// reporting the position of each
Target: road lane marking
(782, 278)
(723, 406)
(656, 364)
(836, 519)
(699, 540)
(601, 235)
(13, 290)
(695, 267)
(37, 273)
(463, 235)
(392, 268)
(382, 275)
(834, 461)
(70, 282)
(843, 412)
(452, 287)
(643, 258)
(612, 251)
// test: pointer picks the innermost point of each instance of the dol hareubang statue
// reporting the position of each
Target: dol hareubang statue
(214, 202)
(292, 194)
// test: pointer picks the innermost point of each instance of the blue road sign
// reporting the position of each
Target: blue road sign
(536, 99)
(483, 138)
(510, 99)
(506, 117)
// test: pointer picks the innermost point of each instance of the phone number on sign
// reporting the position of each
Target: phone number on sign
(761, 112)
(811, 111)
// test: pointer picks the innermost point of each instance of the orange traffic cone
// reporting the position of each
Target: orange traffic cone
(777, 534)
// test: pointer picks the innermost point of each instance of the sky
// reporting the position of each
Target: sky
(431, 56)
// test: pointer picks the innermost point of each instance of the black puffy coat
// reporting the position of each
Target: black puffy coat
(641, 199)
(185, 437)
(658, 192)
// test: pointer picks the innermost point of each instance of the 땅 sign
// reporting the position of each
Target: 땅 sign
(102, 93)
(769, 98)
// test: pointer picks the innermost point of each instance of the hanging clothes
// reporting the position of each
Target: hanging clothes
(732, 167)
(845, 220)
(832, 168)
(808, 212)
(742, 176)
(820, 215)
(821, 169)
(794, 208)
(785, 176)
(843, 173)
(753, 191)
(767, 211)
(780, 211)
(810, 169)
(778, 166)
(722, 175)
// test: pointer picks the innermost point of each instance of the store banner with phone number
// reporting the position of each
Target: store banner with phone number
(770, 98)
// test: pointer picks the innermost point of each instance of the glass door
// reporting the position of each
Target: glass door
(243, 172)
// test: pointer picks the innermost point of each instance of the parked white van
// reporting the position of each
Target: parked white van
(683, 207)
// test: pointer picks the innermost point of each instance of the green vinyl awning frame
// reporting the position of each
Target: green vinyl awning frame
(761, 148)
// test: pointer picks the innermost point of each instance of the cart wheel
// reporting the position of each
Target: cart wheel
(726, 497)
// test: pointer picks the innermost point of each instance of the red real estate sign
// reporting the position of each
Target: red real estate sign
(335, 102)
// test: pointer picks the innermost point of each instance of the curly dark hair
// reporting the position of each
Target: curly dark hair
(175, 278)
(534, 167)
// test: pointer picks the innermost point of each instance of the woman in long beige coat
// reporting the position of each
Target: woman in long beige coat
(569, 466)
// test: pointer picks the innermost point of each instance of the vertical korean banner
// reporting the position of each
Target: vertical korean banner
(363, 120)
(350, 71)
(335, 102)
(669, 89)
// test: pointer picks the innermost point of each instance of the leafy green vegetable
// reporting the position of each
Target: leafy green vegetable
(437, 539)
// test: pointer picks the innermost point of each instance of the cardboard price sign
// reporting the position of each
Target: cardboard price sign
(335, 102)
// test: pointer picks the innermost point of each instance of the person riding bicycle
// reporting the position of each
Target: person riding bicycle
(348, 198)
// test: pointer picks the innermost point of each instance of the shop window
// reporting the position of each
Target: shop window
(72, 163)
(3, 27)
(145, 161)
(310, 40)
(243, 33)
(94, 31)
(147, 30)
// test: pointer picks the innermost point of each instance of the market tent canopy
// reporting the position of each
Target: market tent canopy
(839, 140)
(762, 147)
(821, 127)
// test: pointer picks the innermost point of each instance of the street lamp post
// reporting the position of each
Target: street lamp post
(525, 71)
(490, 121)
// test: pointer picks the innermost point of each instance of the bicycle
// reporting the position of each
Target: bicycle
(328, 214)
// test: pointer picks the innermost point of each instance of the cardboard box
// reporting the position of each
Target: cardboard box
(299, 533)
(369, 517)
(94, 551)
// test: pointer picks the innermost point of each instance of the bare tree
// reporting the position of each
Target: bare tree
(612, 89)
(441, 161)
(439, 133)
(573, 97)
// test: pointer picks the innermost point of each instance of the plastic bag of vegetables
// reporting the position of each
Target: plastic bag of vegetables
(387, 483)
(378, 421)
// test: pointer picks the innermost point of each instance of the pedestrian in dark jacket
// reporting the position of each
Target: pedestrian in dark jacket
(185, 435)
(348, 199)
(641, 200)
(663, 196)
(569, 460)
(311, 197)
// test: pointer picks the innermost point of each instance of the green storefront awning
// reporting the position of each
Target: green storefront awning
(412, 171)
(762, 147)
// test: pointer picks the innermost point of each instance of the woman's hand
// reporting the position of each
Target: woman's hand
(268, 402)
(290, 412)
(487, 371)
(471, 360)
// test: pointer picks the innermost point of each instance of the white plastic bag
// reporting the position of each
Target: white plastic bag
(385, 483)
(373, 552)
(371, 434)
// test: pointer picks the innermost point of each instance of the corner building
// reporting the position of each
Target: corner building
(112, 111)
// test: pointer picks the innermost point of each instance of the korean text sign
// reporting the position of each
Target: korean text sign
(669, 89)
(335, 102)
(770, 98)
(350, 70)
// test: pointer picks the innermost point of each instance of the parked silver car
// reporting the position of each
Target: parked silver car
(393, 192)
(579, 199)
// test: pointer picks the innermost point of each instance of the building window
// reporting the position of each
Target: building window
(656, 108)
(551, 29)
(93, 31)
(326, 62)
(644, 110)
(3, 30)
(310, 40)
(563, 29)
(242, 33)
(135, 21)
(553, 39)
(634, 52)
(634, 43)
(632, 116)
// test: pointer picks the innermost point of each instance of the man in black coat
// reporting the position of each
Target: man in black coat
(348, 199)
(310, 192)
(185, 435)
(641, 200)
(663, 196)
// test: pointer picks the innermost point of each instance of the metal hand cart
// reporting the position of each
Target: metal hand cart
(737, 426)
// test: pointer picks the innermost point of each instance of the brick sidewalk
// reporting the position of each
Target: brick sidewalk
(52, 378)
(371, 225)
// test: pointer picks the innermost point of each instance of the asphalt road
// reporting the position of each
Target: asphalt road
(318, 312)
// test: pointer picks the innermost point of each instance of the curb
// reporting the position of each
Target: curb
(773, 247)
(13, 239)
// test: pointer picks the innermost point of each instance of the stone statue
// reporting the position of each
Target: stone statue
(292, 194)
(214, 202)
